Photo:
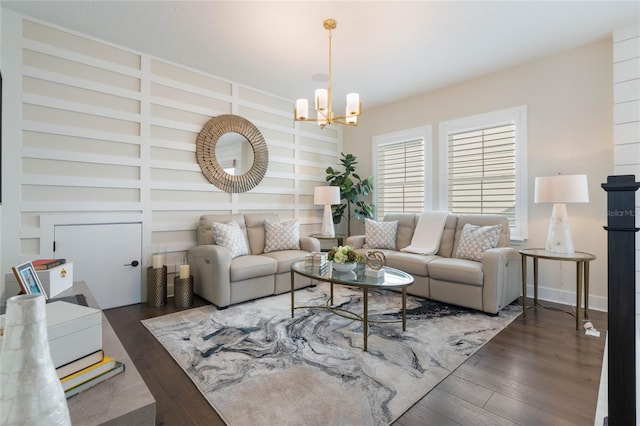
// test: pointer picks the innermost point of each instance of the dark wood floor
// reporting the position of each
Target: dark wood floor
(537, 371)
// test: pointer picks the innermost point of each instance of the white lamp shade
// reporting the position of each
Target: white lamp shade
(353, 104)
(302, 109)
(561, 189)
(326, 195)
(322, 100)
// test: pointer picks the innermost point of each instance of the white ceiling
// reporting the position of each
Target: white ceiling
(385, 50)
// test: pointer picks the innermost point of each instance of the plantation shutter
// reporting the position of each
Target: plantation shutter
(400, 177)
(482, 171)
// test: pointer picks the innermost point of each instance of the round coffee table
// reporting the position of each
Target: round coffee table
(393, 278)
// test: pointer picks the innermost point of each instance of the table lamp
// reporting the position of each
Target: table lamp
(327, 195)
(559, 190)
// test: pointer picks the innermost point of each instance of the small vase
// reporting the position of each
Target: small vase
(344, 267)
(31, 392)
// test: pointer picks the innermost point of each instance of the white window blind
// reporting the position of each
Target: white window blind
(482, 171)
(400, 177)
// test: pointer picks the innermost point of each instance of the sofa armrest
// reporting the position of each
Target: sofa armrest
(210, 267)
(502, 285)
(309, 244)
(355, 241)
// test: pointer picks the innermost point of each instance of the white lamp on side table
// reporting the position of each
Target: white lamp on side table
(327, 195)
(559, 190)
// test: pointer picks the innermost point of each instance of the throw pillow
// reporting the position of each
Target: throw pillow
(281, 235)
(475, 240)
(380, 235)
(230, 235)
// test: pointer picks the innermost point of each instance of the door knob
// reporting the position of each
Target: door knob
(133, 263)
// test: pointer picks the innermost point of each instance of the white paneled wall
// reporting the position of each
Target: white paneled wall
(103, 131)
(626, 135)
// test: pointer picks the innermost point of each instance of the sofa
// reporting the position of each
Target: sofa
(224, 277)
(487, 284)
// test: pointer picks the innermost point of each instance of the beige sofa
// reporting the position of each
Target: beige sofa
(488, 285)
(224, 280)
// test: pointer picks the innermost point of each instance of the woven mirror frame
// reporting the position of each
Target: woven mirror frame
(206, 143)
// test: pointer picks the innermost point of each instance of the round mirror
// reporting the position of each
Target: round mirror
(232, 153)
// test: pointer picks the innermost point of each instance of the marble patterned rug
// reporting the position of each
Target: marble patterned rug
(258, 366)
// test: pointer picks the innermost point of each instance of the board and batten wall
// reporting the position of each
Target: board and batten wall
(626, 135)
(98, 133)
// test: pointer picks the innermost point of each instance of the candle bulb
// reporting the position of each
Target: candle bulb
(184, 271)
(157, 261)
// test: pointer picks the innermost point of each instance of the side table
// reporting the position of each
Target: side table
(339, 237)
(582, 277)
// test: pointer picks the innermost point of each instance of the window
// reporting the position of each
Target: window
(483, 169)
(401, 183)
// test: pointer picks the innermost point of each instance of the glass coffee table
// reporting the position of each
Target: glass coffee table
(393, 279)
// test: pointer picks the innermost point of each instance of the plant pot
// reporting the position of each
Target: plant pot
(344, 267)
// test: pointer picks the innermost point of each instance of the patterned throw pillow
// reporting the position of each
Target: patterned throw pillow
(281, 235)
(230, 235)
(380, 235)
(475, 240)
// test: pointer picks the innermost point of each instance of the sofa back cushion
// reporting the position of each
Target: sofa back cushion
(205, 233)
(406, 225)
(484, 220)
(448, 236)
(255, 230)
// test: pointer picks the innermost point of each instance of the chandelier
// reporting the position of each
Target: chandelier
(323, 99)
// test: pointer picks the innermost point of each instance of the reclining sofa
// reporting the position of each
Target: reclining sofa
(488, 284)
(224, 280)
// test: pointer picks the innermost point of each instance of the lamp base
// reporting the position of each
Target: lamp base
(559, 237)
(327, 229)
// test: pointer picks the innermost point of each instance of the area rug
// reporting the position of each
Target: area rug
(258, 366)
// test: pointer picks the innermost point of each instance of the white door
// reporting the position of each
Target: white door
(105, 256)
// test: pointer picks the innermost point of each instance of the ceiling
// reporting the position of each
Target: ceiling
(385, 50)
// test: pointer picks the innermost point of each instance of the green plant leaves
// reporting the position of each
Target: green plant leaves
(351, 190)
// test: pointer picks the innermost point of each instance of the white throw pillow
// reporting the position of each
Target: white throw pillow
(230, 235)
(380, 235)
(475, 240)
(281, 235)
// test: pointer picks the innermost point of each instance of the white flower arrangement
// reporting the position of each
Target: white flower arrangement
(344, 254)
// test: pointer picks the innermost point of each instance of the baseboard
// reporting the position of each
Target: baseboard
(597, 303)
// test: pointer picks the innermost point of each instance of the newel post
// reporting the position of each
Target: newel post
(621, 233)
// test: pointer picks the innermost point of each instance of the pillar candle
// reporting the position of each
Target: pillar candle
(157, 261)
(184, 271)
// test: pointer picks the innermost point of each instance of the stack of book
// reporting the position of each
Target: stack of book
(87, 372)
(44, 264)
(317, 261)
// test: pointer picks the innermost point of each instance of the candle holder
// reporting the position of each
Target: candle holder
(183, 292)
(156, 286)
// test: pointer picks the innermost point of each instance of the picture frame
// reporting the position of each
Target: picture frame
(28, 279)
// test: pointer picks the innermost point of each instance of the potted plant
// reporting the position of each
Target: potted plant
(344, 258)
(353, 189)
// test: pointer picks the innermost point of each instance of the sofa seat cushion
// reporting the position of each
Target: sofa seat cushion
(457, 270)
(285, 258)
(414, 264)
(247, 267)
